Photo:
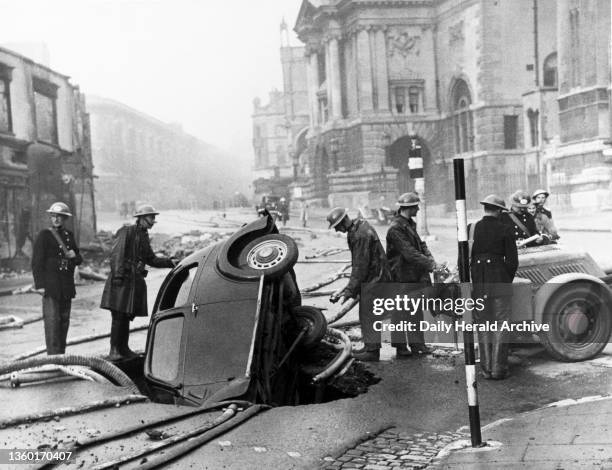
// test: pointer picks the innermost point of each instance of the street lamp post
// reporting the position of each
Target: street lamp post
(415, 167)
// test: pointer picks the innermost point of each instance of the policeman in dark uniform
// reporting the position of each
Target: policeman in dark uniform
(369, 264)
(493, 264)
(519, 219)
(54, 258)
(411, 262)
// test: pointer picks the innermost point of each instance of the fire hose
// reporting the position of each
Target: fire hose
(341, 358)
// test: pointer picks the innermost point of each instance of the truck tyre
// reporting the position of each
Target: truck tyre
(271, 255)
(580, 319)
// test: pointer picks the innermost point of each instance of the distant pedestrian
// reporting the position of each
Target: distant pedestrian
(125, 291)
(493, 264)
(368, 265)
(123, 210)
(304, 214)
(132, 208)
(411, 262)
(54, 258)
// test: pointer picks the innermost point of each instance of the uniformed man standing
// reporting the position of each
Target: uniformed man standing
(125, 291)
(493, 264)
(54, 258)
(369, 264)
(411, 262)
(519, 219)
(539, 197)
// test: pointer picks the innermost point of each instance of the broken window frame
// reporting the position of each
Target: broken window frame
(45, 131)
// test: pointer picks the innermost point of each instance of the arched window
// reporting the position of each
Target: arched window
(462, 117)
(550, 70)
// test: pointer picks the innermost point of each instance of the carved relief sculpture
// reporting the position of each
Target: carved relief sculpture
(402, 42)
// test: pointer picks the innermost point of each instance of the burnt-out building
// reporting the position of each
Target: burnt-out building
(518, 88)
(45, 155)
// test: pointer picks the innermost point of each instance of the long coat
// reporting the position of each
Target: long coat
(125, 290)
(409, 257)
(494, 258)
(369, 263)
(51, 269)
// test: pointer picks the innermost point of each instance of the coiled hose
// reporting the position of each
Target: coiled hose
(105, 368)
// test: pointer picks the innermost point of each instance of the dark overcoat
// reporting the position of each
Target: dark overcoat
(51, 269)
(494, 257)
(125, 290)
(369, 263)
(409, 257)
(528, 222)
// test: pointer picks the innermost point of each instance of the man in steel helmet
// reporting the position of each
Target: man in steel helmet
(493, 264)
(411, 262)
(369, 264)
(519, 219)
(125, 291)
(54, 257)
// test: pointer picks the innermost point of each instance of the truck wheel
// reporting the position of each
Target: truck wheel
(580, 319)
(313, 319)
(271, 255)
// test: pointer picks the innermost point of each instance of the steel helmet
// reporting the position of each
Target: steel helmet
(520, 199)
(494, 201)
(336, 216)
(537, 192)
(59, 208)
(408, 200)
(145, 209)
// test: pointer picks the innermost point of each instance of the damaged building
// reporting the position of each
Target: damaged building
(519, 88)
(45, 155)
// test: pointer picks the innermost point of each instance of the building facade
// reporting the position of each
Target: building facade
(280, 126)
(45, 155)
(519, 88)
(139, 158)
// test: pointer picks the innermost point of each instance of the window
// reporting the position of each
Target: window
(166, 348)
(45, 96)
(177, 292)
(550, 70)
(323, 108)
(574, 52)
(321, 68)
(462, 117)
(6, 118)
(400, 103)
(510, 131)
(413, 99)
(533, 117)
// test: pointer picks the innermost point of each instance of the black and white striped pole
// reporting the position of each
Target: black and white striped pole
(415, 170)
(464, 277)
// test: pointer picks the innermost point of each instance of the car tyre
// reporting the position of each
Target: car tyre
(313, 319)
(271, 255)
(580, 319)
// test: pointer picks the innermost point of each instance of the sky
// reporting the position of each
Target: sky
(199, 63)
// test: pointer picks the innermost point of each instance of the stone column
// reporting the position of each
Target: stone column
(333, 80)
(364, 72)
(351, 76)
(382, 77)
(313, 86)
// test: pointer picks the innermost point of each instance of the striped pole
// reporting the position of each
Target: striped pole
(464, 276)
(415, 170)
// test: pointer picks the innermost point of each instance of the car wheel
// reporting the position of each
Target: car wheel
(314, 321)
(271, 255)
(580, 320)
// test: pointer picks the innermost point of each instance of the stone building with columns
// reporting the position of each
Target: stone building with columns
(280, 125)
(509, 85)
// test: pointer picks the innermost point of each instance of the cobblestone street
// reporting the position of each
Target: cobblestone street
(393, 450)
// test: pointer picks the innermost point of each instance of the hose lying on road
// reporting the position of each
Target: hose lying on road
(341, 358)
(49, 372)
(187, 441)
(347, 307)
(337, 275)
(73, 341)
(95, 363)
(72, 410)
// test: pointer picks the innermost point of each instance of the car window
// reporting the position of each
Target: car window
(177, 292)
(166, 348)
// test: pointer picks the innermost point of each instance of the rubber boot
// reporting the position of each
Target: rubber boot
(499, 357)
(124, 349)
(484, 350)
(401, 351)
(115, 340)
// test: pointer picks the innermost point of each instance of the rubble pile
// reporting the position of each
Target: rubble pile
(180, 246)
